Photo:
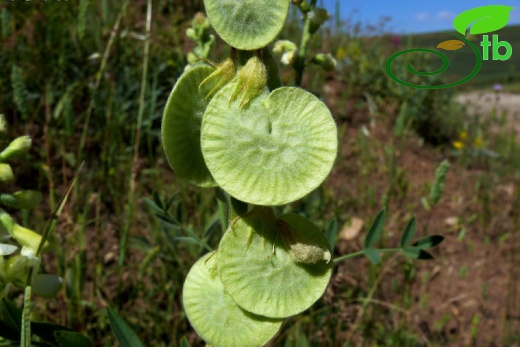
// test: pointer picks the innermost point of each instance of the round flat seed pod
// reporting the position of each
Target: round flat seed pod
(181, 127)
(260, 274)
(247, 24)
(273, 152)
(214, 314)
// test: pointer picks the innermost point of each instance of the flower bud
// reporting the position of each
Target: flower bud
(283, 46)
(201, 20)
(27, 237)
(16, 268)
(192, 58)
(288, 58)
(47, 285)
(23, 199)
(218, 78)
(192, 34)
(6, 173)
(326, 61)
(19, 146)
(252, 81)
(319, 16)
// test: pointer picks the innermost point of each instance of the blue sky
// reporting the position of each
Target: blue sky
(414, 16)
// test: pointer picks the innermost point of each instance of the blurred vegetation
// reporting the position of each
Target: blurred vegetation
(70, 77)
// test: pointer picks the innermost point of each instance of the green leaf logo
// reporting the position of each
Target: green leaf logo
(485, 19)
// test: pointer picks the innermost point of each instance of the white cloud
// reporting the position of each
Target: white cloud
(421, 16)
(445, 15)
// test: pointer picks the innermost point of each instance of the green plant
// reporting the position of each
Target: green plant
(235, 127)
(22, 269)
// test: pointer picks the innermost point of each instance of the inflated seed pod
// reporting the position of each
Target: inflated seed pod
(181, 127)
(273, 152)
(247, 24)
(260, 271)
(214, 314)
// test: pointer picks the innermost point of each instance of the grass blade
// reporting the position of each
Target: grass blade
(332, 233)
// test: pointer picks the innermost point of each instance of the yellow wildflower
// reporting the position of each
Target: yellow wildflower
(458, 144)
(340, 53)
(478, 143)
(463, 135)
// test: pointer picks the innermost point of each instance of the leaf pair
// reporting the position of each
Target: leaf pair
(417, 250)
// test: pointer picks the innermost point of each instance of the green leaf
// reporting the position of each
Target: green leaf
(170, 201)
(157, 200)
(485, 19)
(47, 331)
(124, 333)
(184, 342)
(417, 253)
(153, 205)
(376, 229)
(72, 339)
(373, 255)
(408, 232)
(428, 241)
(12, 315)
(332, 233)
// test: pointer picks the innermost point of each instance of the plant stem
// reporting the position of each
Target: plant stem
(26, 316)
(348, 256)
(358, 253)
(299, 62)
(99, 74)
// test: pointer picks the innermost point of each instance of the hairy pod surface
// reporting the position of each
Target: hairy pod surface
(247, 24)
(273, 152)
(303, 240)
(181, 127)
(214, 314)
(258, 271)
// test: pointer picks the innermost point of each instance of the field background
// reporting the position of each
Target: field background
(71, 78)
